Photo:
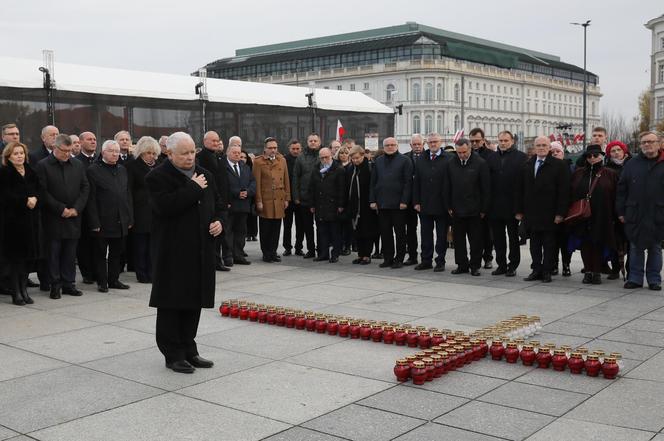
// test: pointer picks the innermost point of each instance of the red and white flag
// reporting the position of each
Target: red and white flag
(552, 137)
(457, 136)
(340, 131)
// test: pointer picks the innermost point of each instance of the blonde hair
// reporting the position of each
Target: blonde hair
(342, 149)
(9, 149)
(147, 144)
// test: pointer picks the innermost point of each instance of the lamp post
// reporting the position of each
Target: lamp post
(585, 79)
(312, 106)
(201, 90)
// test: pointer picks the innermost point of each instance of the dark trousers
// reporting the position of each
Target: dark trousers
(498, 227)
(562, 237)
(252, 225)
(411, 233)
(85, 256)
(176, 331)
(393, 226)
(307, 222)
(291, 214)
(329, 234)
(62, 262)
(44, 272)
(364, 246)
(592, 257)
(542, 250)
(347, 234)
(269, 231)
(487, 241)
(222, 253)
(108, 270)
(470, 227)
(142, 258)
(427, 225)
(236, 234)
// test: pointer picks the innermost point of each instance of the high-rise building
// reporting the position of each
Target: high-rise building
(656, 25)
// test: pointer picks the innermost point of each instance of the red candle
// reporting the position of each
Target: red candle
(484, 347)
(452, 361)
(310, 323)
(332, 327)
(445, 357)
(388, 335)
(402, 370)
(244, 312)
(290, 319)
(512, 352)
(610, 368)
(593, 366)
(280, 317)
(300, 321)
(321, 324)
(418, 373)
(468, 353)
(354, 330)
(559, 360)
(528, 355)
(576, 363)
(235, 310)
(497, 350)
(365, 331)
(344, 328)
(376, 333)
(461, 356)
(225, 309)
(439, 368)
(543, 358)
(271, 316)
(262, 315)
(412, 338)
(424, 340)
(477, 349)
(428, 365)
(253, 314)
(437, 338)
(400, 336)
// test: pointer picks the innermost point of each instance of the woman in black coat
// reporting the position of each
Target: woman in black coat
(617, 155)
(19, 186)
(364, 219)
(147, 151)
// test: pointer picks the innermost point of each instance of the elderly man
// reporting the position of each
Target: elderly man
(76, 145)
(390, 194)
(48, 135)
(305, 164)
(109, 215)
(88, 150)
(640, 207)
(186, 217)
(416, 151)
(123, 138)
(164, 149)
(10, 133)
(542, 203)
(294, 150)
(241, 189)
(328, 189)
(272, 197)
(65, 192)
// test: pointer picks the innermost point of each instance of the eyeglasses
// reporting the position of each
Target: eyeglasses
(595, 155)
(649, 141)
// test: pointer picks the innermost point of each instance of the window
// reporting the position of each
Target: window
(326, 87)
(477, 102)
(511, 106)
(536, 93)
(366, 86)
(456, 122)
(457, 93)
(439, 92)
(661, 43)
(498, 104)
(517, 106)
(492, 88)
(593, 108)
(484, 85)
(428, 124)
(428, 93)
(491, 103)
(416, 124)
(389, 93)
(660, 73)
(484, 103)
(505, 105)
(416, 94)
(660, 109)
(439, 121)
(352, 86)
(339, 87)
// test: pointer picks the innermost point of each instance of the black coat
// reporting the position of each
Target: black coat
(245, 181)
(640, 199)
(87, 161)
(540, 199)
(136, 172)
(214, 163)
(127, 160)
(21, 226)
(391, 181)
(63, 185)
(182, 248)
(329, 192)
(39, 154)
(358, 181)
(507, 170)
(110, 206)
(468, 191)
(305, 164)
(429, 184)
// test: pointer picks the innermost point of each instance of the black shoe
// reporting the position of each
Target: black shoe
(118, 285)
(460, 271)
(143, 279)
(287, 253)
(276, 258)
(632, 285)
(88, 281)
(222, 267)
(422, 266)
(596, 279)
(439, 268)
(365, 262)
(299, 253)
(244, 254)
(181, 366)
(356, 261)
(200, 362)
(45, 288)
(397, 265)
(653, 287)
(320, 259)
(587, 278)
(533, 276)
(613, 276)
(267, 259)
(102, 288)
(55, 292)
(377, 256)
(17, 298)
(241, 262)
(385, 264)
(488, 264)
(309, 255)
(554, 272)
(475, 272)
(31, 284)
(72, 291)
(333, 259)
(499, 271)
(510, 273)
(345, 252)
(546, 277)
(228, 262)
(410, 262)
(566, 271)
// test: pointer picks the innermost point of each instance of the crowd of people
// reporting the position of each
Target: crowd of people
(69, 202)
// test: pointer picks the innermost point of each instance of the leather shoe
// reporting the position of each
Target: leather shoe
(397, 265)
(488, 265)
(533, 276)
(613, 276)
(460, 271)
(241, 262)
(655, 287)
(385, 264)
(309, 255)
(510, 273)
(276, 258)
(200, 362)
(475, 272)
(221, 267)
(228, 263)
(266, 259)
(499, 271)
(299, 253)
(72, 291)
(554, 272)
(345, 252)
(320, 259)
(422, 266)
(356, 261)
(410, 262)
(88, 281)
(181, 366)
(287, 253)
(566, 271)
(102, 288)
(439, 268)
(596, 279)
(365, 262)
(587, 278)
(632, 285)
(333, 259)
(118, 285)
(546, 277)
(31, 284)
(55, 292)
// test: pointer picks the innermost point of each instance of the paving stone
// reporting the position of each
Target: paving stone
(580, 383)
(587, 318)
(302, 434)
(461, 384)
(6, 433)
(44, 303)
(367, 314)
(495, 420)
(438, 432)
(211, 321)
(318, 276)
(270, 286)
(560, 339)
(36, 324)
(379, 282)
(53, 397)
(576, 329)
(635, 404)
(363, 424)
(322, 293)
(645, 325)
(89, 344)
(111, 310)
(546, 301)
(454, 291)
(497, 369)
(628, 350)
(652, 369)
(416, 403)
(629, 306)
(161, 418)
(635, 336)
(534, 398)
(18, 363)
(657, 314)
(398, 303)
(286, 392)
(567, 429)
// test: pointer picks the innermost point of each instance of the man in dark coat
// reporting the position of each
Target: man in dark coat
(123, 138)
(507, 171)
(85, 248)
(328, 187)
(305, 164)
(294, 150)
(211, 158)
(10, 133)
(416, 151)
(640, 207)
(48, 135)
(65, 192)
(109, 214)
(468, 199)
(429, 201)
(542, 202)
(242, 189)
(186, 215)
(391, 192)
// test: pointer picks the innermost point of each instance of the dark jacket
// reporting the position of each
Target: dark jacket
(429, 184)
(63, 185)
(507, 170)
(640, 199)
(358, 182)
(136, 172)
(21, 226)
(245, 181)
(618, 168)
(329, 192)
(37, 155)
(182, 248)
(87, 161)
(306, 163)
(468, 189)
(540, 199)
(127, 160)
(214, 163)
(110, 207)
(391, 181)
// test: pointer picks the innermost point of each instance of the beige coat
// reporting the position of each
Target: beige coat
(272, 186)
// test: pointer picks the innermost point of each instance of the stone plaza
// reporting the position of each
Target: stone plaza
(87, 368)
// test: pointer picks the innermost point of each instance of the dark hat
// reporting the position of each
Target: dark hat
(593, 148)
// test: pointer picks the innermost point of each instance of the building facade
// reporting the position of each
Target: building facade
(656, 26)
(434, 79)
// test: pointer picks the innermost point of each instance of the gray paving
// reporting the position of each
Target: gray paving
(87, 368)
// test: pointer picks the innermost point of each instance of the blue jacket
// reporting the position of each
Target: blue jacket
(391, 181)
(245, 181)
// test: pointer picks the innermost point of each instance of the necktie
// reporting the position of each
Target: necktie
(237, 172)
(539, 164)
(463, 162)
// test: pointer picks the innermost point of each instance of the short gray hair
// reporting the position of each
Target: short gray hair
(146, 144)
(176, 138)
(235, 139)
(434, 135)
(121, 132)
(416, 135)
(109, 143)
(45, 129)
(62, 139)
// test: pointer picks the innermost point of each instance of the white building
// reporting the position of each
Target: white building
(656, 25)
(442, 80)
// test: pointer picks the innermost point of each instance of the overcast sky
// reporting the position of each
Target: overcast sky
(180, 36)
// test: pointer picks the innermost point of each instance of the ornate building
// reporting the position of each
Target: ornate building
(656, 25)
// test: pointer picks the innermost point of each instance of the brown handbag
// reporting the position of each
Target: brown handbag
(580, 209)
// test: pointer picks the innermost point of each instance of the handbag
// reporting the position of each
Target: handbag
(580, 209)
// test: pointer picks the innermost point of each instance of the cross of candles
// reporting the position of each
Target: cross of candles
(441, 350)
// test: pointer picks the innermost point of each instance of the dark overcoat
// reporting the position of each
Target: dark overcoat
(245, 181)
(468, 189)
(305, 163)
(364, 218)
(182, 248)
(391, 181)
(329, 192)
(214, 163)
(109, 206)
(136, 172)
(38, 155)
(429, 184)
(506, 172)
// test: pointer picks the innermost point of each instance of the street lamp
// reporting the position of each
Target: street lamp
(312, 105)
(585, 78)
(201, 90)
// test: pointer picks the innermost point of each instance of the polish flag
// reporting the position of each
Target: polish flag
(340, 131)
(552, 137)
(457, 136)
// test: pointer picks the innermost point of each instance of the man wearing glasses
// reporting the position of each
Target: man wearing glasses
(640, 207)
(10, 133)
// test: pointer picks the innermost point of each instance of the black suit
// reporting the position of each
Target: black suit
(214, 163)
(492, 161)
(411, 215)
(37, 155)
(236, 227)
(85, 248)
(292, 214)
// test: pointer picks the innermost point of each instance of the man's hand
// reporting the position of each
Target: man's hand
(450, 212)
(312, 209)
(482, 215)
(557, 219)
(402, 206)
(621, 219)
(518, 216)
(259, 206)
(286, 204)
(129, 227)
(66, 213)
(340, 209)
(215, 228)
(417, 207)
(297, 202)
(243, 194)
(73, 212)
(200, 180)
(32, 202)
(373, 206)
